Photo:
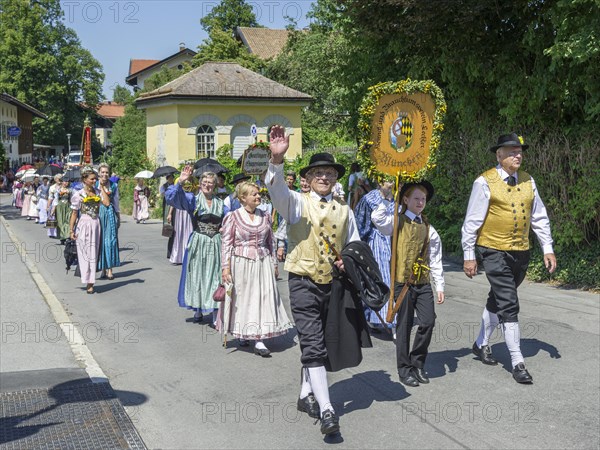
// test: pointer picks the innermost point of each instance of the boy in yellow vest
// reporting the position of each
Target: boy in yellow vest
(504, 204)
(419, 248)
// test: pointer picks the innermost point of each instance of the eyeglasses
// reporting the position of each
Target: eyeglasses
(320, 173)
(514, 153)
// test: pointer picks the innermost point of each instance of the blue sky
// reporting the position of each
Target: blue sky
(117, 31)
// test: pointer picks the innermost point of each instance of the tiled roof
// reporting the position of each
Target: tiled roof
(13, 101)
(224, 80)
(111, 110)
(137, 65)
(263, 42)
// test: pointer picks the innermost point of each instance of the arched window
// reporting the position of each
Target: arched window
(205, 142)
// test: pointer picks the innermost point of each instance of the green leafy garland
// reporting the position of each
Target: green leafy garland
(367, 110)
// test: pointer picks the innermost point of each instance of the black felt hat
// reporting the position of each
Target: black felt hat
(323, 160)
(240, 177)
(509, 140)
(426, 184)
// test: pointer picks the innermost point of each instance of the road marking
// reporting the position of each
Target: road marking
(79, 348)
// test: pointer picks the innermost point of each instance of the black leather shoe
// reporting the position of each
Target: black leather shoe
(485, 354)
(329, 423)
(420, 375)
(409, 380)
(198, 319)
(521, 375)
(310, 406)
(264, 352)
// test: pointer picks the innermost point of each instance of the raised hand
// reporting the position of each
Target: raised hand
(279, 143)
(186, 174)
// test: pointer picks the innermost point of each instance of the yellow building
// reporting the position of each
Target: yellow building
(216, 104)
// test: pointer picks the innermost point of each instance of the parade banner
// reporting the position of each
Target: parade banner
(400, 125)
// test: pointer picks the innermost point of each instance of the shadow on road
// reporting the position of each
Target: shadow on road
(110, 285)
(529, 348)
(440, 363)
(69, 407)
(360, 391)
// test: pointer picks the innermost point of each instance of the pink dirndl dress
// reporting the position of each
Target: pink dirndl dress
(88, 234)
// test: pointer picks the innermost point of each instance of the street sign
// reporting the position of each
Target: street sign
(13, 131)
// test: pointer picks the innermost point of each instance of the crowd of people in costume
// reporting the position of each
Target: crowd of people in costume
(337, 250)
(84, 210)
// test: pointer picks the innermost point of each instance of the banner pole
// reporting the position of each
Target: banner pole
(390, 311)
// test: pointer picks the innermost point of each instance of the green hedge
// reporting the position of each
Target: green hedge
(577, 267)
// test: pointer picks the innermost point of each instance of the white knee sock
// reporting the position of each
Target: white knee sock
(214, 316)
(489, 321)
(260, 345)
(306, 387)
(512, 337)
(318, 381)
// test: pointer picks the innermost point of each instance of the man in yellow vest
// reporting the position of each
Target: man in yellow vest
(310, 217)
(504, 204)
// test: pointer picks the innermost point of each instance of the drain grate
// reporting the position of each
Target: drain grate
(72, 415)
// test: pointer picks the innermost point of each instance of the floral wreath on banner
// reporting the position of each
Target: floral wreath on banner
(367, 110)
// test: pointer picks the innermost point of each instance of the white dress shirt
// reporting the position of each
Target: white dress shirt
(385, 224)
(289, 203)
(479, 203)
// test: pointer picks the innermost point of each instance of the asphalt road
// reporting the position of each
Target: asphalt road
(200, 395)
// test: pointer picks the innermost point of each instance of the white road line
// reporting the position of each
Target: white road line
(80, 350)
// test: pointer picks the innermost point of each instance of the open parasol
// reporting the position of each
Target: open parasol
(164, 171)
(50, 170)
(144, 174)
(72, 174)
(208, 165)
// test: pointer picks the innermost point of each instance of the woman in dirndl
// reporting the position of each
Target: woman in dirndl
(109, 215)
(200, 271)
(61, 209)
(42, 193)
(26, 193)
(182, 224)
(85, 203)
(141, 194)
(51, 223)
(380, 245)
(17, 193)
(249, 262)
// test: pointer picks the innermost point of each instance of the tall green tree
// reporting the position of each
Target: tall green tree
(122, 95)
(228, 15)
(221, 46)
(43, 64)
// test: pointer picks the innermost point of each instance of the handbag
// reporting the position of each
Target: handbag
(51, 223)
(219, 294)
(167, 230)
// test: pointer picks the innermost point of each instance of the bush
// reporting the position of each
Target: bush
(578, 268)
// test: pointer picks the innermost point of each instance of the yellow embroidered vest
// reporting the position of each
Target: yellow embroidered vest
(506, 226)
(411, 237)
(307, 255)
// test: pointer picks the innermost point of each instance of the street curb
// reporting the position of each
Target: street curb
(80, 350)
